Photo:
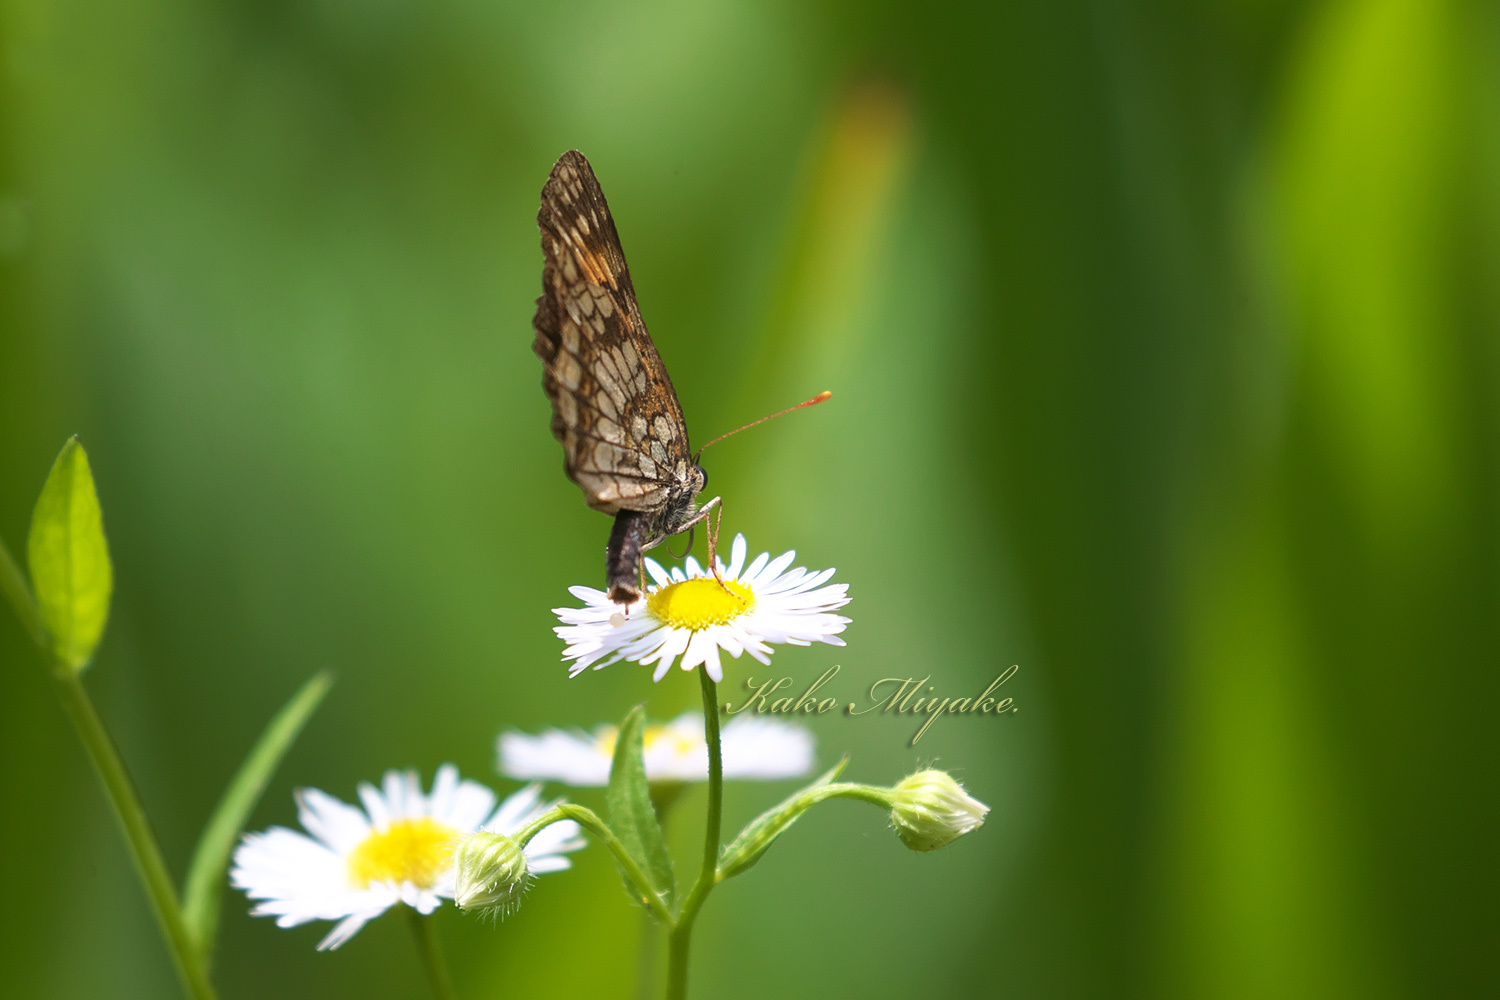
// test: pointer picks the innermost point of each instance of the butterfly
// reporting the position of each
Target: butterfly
(625, 443)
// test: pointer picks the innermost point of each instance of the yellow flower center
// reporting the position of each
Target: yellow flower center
(651, 737)
(696, 604)
(409, 850)
(681, 744)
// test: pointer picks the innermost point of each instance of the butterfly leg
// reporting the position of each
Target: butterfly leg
(699, 516)
(711, 529)
(713, 543)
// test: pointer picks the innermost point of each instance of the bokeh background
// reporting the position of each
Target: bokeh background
(1163, 338)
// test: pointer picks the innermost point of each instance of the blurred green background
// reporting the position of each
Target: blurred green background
(1163, 338)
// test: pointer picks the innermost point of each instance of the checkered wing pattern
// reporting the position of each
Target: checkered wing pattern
(613, 406)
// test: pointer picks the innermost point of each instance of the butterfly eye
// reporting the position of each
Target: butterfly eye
(702, 478)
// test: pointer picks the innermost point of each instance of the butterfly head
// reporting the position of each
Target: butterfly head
(681, 508)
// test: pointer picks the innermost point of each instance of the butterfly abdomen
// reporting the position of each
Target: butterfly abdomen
(622, 560)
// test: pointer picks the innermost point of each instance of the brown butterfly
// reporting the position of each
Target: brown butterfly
(613, 406)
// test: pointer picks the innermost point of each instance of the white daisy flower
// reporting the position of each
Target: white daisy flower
(755, 749)
(358, 863)
(687, 613)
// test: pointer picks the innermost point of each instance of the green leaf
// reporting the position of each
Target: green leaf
(69, 559)
(631, 815)
(758, 836)
(205, 880)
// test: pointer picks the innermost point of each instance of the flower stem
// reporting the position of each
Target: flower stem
(13, 584)
(189, 961)
(432, 955)
(681, 937)
(122, 795)
(664, 795)
(645, 968)
(745, 851)
(590, 821)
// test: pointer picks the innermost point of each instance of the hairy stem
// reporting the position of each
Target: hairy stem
(681, 938)
(591, 822)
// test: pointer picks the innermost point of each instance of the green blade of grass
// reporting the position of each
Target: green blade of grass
(205, 880)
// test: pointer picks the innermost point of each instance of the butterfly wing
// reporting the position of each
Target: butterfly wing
(613, 406)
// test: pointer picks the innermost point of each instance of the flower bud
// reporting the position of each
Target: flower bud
(490, 874)
(930, 810)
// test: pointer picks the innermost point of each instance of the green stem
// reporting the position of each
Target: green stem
(645, 967)
(122, 795)
(432, 955)
(591, 822)
(664, 795)
(13, 583)
(681, 939)
(745, 851)
(118, 788)
(873, 794)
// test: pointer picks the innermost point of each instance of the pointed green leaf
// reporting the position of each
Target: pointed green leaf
(205, 880)
(758, 836)
(69, 560)
(631, 815)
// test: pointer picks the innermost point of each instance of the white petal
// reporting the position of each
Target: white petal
(396, 786)
(472, 803)
(711, 661)
(547, 864)
(559, 838)
(425, 902)
(698, 645)
(792, 606)
(573, 758)
(766, 749)
(778, 565)
(336, 824)
(296, 878)
(658, 575)
(737, 553)
(440, 800)
(346, 929)
(375, 804)
(516, 810)
(753, 573)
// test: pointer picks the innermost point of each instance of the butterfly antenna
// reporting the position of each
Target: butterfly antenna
(821, 397)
